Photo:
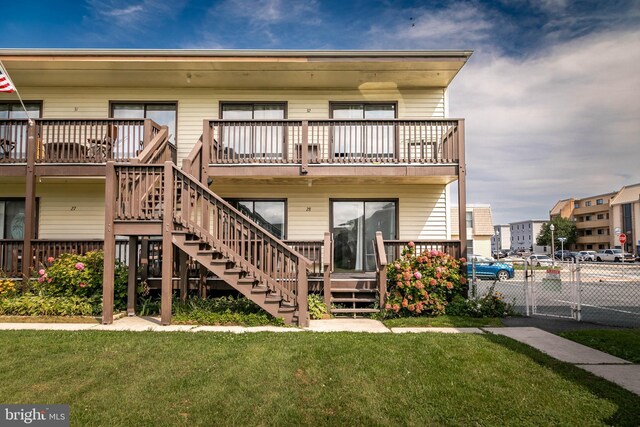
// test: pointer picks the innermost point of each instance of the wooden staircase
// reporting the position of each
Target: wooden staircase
(240, 279)
(355, 296)
(213, 233)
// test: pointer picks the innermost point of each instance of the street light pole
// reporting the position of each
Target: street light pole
(562, 240)
(553, 256)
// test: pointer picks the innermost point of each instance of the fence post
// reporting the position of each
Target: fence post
(527, 299)
(474, 279)
(578, 287)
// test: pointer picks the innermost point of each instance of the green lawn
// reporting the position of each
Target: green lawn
(443, 321)
(624, 343)
(156, 379)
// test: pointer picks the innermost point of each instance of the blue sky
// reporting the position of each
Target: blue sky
(551, 95)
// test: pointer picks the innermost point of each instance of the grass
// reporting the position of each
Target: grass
(623, 343)
(150, 378)
(443, 321)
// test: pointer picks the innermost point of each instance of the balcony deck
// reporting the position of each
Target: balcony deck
(71, 147)
(318, 148)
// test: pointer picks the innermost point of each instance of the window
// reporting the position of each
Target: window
(17, 135)
(587, 218)
(469, 246)
(269, 214)
(12, 219)
(588, 203)
(469, 218)
(600, 216)
(354, 224)
(589, 246)
(588, 232)
(259, 140)
(576, 205)
(163, 113)
(601, 247)
(599, 202)
(601, 231)
(354, 139)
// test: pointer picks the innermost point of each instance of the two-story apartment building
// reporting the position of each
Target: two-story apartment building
(267, 169)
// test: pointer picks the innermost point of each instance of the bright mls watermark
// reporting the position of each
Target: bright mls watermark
(34, 415)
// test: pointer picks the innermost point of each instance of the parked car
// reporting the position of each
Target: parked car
(614, 255)
(489, 268)
(563, 255)
(540, 260)
(588, 255)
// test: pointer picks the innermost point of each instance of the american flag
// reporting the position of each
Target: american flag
(5, 82)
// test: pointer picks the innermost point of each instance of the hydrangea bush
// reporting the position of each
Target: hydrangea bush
(423, 284)
(72, 275)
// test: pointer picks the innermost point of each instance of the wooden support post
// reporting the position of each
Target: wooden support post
(30, 199)
(207, 140)
(109, 244)
(382, 268)
(304, 148)
(146, 139)
(184, 276)
(167, 246)
(202, 282)
(144, 259)
(302, 294)
(133, 275)
(327, 262)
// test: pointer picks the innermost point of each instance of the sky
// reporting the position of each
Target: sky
(551, 95)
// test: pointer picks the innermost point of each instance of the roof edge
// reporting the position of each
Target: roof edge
(213, 53)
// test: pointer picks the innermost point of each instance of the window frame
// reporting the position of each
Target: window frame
(112, 104)
(285, 225)
(39, 103)
(37, 213)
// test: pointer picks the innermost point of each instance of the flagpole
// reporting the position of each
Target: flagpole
(4, 70)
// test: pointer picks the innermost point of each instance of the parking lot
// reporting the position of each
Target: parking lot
(606, 293)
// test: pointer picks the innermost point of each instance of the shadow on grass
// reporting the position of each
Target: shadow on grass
(628, 403)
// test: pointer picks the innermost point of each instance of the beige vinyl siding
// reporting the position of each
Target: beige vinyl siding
(422, 208)
(197, 104)
(11, 189)
(71, 211)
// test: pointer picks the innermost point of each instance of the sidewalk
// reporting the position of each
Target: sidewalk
(609, 367)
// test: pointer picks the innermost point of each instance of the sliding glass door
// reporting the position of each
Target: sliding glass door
(354, 224)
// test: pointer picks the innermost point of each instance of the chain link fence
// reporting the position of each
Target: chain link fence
(605, 293)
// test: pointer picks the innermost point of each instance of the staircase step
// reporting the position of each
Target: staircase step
(234, 270)
(370, 300)
(206, 252)
(260, 289)
(273, 298)
(247, 280)
(286, 309)
(354, 310)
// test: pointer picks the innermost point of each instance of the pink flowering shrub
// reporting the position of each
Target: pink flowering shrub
(423, 284)
(80, 276)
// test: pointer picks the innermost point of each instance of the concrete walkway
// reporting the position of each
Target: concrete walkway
(598, 363)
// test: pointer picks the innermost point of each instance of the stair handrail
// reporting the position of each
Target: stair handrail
(193, 162)
(156, 148)
(247, 228)
(327, 263)
(381, 266)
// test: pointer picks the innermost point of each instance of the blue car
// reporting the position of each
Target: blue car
(489, 268)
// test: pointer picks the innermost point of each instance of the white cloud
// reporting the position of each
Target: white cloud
(458, 24)
(562, 123)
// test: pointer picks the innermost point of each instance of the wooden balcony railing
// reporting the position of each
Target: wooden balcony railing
(84, 141)
(334, 141)
(393, 248)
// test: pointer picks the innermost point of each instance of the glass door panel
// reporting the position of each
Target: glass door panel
(347, 137)
(380, 139)
(269, 137)
(355, 224)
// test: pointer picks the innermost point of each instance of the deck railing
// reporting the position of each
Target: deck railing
(393, 248)
(78, 140)
(334, 141)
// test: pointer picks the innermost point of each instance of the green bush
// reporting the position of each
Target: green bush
(317, 307)
(422, 284)
(37, 305)
(492, 304)
(81, 276)
(221, 311)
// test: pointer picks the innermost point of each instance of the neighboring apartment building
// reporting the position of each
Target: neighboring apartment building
(625, 214)
(501, 239)
(601, 218)
(479, 222)
(524, 235)
(272, 170)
